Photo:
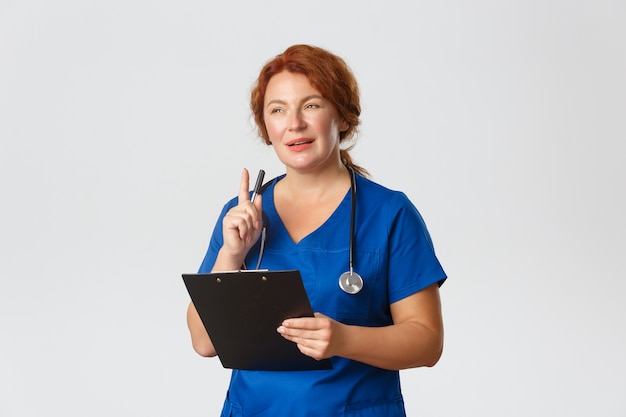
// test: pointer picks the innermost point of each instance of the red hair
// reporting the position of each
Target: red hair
(327, 73)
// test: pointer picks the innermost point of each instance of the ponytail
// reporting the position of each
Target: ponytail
(347, 160)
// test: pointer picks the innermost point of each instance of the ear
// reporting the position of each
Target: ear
(344, 125)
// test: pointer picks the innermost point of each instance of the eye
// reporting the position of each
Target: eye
(276, 110)
(312, 106)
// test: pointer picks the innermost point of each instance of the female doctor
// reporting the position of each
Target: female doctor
(364, 253)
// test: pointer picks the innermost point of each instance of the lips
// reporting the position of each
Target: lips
(300, 142)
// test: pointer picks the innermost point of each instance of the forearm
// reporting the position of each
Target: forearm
(415, 339)
(399, 346)
(200, 339)
(227, 262)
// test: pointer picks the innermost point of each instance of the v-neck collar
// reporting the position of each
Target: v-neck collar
(333, 221)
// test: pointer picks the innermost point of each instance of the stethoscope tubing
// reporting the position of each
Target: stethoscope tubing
(350, 282)
(352, 216)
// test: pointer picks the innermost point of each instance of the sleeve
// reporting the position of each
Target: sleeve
(413, 264)
(217, 240)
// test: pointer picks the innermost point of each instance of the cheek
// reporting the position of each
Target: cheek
(273, 131)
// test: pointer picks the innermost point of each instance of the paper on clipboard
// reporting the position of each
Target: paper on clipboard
(241, 311)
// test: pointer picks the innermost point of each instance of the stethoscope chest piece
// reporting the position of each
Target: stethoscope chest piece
(351, 282)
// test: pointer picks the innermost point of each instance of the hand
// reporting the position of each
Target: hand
(241, 226)
(319, 337)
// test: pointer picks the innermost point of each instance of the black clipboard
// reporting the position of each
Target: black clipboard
(241, 311)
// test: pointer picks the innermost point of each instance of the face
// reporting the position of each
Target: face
(302, 125)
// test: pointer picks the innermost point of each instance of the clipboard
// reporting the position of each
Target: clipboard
(241, 311)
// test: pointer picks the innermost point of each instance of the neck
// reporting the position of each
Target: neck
(316, 185)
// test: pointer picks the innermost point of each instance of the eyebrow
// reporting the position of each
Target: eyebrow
(307, 98)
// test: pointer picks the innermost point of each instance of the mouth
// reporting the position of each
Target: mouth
(300, 142)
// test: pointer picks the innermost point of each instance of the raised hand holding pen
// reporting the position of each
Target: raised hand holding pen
(241, 226)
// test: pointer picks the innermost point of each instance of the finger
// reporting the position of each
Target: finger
(242, 225)
(310, 347)
(312, 352)
(244, 186)
(302, 323)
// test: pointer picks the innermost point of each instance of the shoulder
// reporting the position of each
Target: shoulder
(390, 207)
(376, 194)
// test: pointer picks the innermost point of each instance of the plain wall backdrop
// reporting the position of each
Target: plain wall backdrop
(125, 125)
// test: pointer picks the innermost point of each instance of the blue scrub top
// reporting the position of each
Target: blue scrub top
(393, 253)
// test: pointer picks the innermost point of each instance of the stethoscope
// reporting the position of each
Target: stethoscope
(350, 281)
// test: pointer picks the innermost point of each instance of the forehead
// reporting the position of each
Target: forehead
(289, 84)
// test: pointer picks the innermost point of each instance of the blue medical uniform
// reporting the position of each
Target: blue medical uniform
(393, 253)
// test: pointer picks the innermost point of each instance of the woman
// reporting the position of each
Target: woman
(306, 104)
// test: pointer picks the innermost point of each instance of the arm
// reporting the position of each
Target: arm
(414, 339)
(200, 339)
(241, 228)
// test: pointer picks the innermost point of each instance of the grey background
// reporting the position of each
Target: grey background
(125, 126)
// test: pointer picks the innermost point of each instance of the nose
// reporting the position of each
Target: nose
(296, 122)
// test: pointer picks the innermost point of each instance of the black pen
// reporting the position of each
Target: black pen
(258, 185)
